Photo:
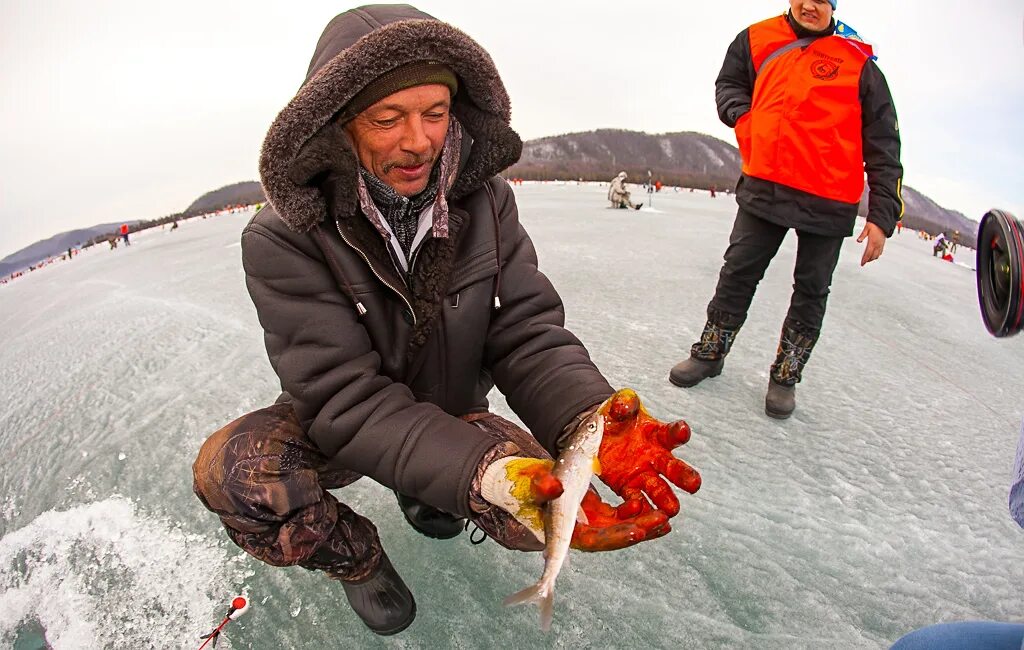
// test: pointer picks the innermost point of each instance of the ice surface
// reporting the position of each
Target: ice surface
(878, 508)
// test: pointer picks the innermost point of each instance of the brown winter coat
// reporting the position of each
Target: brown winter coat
(377, 392)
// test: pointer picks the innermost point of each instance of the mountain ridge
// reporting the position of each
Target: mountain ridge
(242, 193)
(684, 158)
(687, 159)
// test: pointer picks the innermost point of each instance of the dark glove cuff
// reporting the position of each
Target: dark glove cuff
(499, 525)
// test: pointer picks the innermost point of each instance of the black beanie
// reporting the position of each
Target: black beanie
(411, 74)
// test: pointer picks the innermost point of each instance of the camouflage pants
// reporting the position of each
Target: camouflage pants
(268, 484)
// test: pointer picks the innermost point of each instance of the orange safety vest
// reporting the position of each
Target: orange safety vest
(804, 126)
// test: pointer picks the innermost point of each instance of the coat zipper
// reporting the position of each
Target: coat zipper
(374, 271)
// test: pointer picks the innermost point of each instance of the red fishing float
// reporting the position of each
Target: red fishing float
(239, 605)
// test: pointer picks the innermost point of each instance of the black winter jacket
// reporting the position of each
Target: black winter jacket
(379, 391)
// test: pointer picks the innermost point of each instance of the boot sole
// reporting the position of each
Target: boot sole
(398, 628)
(683, 384)
(778, 415)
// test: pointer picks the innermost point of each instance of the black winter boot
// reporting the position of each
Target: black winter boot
(795, 347)
(779, 401)
(382, 600)
(434, 523)
(707, 356)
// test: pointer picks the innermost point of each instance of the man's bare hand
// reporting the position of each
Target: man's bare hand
(876, 242)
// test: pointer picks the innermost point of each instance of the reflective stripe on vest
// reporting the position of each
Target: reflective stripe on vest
(804, 126)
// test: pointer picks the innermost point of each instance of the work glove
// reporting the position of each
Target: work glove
(636, 457)
(522, 486)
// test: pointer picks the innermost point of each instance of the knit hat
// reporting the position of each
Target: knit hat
(419, 73)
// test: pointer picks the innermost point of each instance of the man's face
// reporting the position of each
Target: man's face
(814, 15)
(399, 138)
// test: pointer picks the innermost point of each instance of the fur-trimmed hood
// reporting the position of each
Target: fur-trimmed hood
(307, 165)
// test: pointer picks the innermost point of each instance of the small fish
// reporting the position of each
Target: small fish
(574, 468)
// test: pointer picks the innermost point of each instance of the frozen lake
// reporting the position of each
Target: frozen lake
(878, 508)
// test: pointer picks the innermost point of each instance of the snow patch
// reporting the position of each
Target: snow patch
(84, 575)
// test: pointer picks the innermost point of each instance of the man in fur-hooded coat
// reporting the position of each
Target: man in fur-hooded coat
(395, 290)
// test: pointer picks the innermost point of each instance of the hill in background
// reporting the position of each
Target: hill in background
(686, 159)
(244, 193)
(56, 245)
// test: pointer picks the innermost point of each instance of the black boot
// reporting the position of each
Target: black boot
(434, 523)
(707, 356)
(382, 600)
(637, 206)
(795, 347)
(780, 400)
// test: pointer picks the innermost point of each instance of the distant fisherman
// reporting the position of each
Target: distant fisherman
(619, 195)
(396, 287)
(812, 113)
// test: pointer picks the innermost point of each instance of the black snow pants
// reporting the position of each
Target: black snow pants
(752, 246)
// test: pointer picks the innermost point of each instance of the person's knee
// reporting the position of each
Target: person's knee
(211, 467)
(811, 293)
(261, 466)
(984, 635)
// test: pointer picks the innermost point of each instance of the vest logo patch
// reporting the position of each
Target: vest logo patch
(825, 69)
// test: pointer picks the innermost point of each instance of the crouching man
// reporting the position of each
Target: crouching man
(396, 287)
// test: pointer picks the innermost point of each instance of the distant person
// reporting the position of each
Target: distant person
(396, 286)
(174, 226)
(713, 189)
(939, 247)
(124, 234)
(113, 242)
(954, 241)
(812, 113)
(619, 195)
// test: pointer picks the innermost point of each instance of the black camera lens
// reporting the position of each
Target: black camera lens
(1001, 272)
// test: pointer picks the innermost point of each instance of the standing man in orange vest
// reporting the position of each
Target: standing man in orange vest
(812, 113)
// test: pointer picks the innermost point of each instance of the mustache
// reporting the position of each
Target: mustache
(410, 162)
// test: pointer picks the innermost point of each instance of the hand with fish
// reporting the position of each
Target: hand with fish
(525, 486)
(636, 456)
(628, 450)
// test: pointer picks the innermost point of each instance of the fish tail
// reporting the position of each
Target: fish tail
(547, 606)
(540, 594)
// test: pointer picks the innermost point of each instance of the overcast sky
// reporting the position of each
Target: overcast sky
(112, 111)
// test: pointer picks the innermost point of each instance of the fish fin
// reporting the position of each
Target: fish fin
(596, 466)
(536, 594)
(581, 516)
(531, 594)
(547, 606)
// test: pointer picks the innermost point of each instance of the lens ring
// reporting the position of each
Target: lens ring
(1000, 271)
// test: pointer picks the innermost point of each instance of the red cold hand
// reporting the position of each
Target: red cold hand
(636, 456)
